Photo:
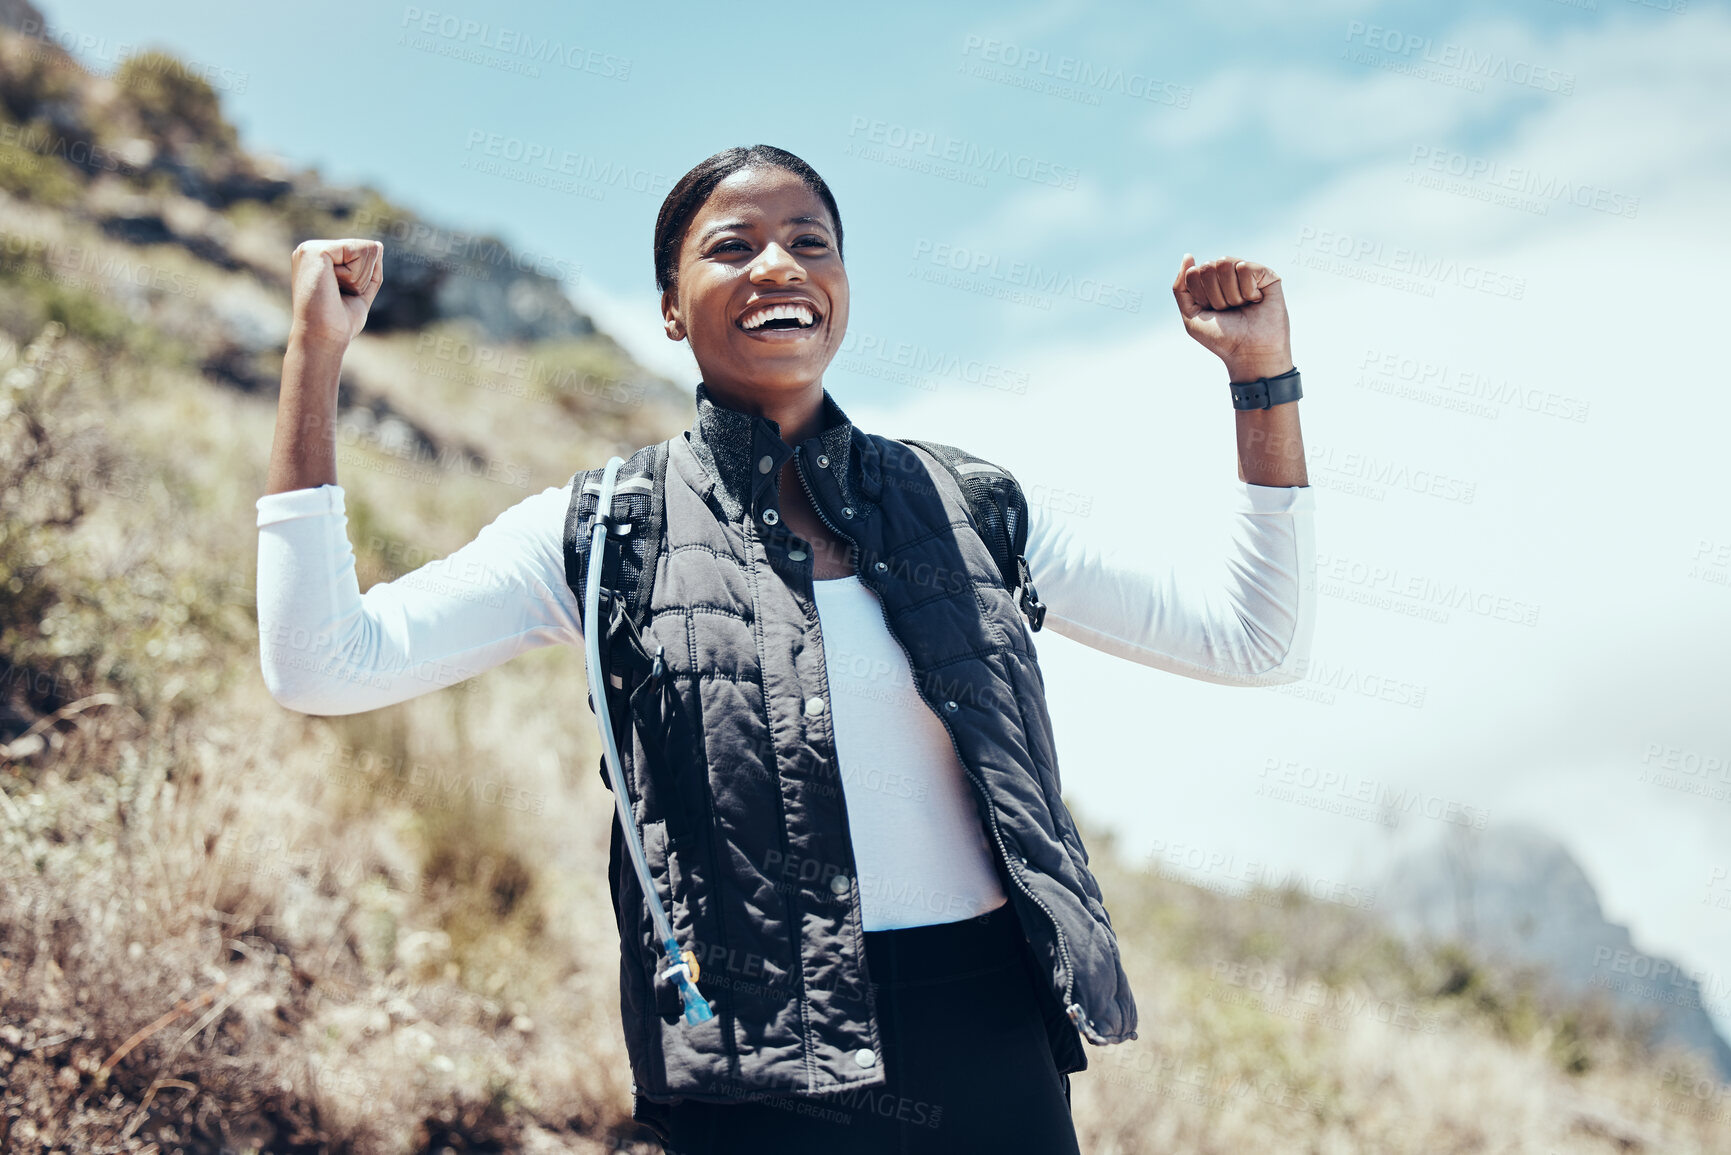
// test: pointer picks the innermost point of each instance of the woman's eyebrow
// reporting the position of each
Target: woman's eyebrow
(724, 226)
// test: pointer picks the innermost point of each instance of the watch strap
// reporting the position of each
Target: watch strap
(1266, 392)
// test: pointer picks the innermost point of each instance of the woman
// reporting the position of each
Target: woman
(846, 772)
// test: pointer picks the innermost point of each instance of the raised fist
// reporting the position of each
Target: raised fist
(333, 284)
(1236, 310)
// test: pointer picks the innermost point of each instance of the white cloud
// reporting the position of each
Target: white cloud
(1594, 521)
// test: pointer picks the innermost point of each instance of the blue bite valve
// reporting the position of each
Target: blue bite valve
(697, 1008)
(684, 971)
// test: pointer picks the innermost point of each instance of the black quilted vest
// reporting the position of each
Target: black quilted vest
(730, 762)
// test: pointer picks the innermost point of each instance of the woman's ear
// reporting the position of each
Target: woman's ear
(670, 318)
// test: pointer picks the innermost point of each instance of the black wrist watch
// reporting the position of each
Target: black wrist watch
(1265, 392)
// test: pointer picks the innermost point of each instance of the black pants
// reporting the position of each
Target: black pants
(965, 1056)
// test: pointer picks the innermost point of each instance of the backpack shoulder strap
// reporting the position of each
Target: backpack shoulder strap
(628, 568)
(1000, 513)
(639, 509)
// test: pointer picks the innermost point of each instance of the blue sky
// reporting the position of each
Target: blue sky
(1500, 228)
(1194, 142)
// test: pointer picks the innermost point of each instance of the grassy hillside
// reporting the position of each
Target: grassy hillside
(226, 927)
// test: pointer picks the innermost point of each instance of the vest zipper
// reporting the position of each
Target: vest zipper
(1071, 1008)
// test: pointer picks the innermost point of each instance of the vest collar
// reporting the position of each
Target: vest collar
(732, 444)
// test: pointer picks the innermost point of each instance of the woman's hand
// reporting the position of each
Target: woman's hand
(1237, 311)
(333, 285)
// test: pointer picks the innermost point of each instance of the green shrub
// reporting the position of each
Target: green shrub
(26, 173)
(169, 99)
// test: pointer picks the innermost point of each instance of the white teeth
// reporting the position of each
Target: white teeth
(757, 317)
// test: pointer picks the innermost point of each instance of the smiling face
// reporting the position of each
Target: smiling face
(761, 292)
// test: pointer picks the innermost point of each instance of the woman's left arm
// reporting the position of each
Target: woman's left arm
(1245, 623)
(1254, 628)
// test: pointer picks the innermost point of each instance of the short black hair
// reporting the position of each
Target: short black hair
(695, 187)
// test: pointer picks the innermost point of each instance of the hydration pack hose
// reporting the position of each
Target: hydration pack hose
(681, 966)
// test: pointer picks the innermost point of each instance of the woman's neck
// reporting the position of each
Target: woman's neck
(798, 415)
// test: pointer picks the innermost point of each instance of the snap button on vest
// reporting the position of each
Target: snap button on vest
(840, 884)
(770, 517)
(796, 555)
(815, 706)
(865, 1057)
(765, 463)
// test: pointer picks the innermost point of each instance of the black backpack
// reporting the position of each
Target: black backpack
(998, 508)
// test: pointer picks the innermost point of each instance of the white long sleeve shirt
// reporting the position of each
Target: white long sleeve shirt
(327, 648)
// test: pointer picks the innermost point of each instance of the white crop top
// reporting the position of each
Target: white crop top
(919, 839)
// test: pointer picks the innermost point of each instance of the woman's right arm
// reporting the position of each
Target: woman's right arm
(332, 285)
(325, 648)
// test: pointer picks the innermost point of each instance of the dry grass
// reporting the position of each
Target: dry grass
(337, 934)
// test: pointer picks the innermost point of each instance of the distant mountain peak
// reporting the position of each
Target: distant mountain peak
(1513, 892)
